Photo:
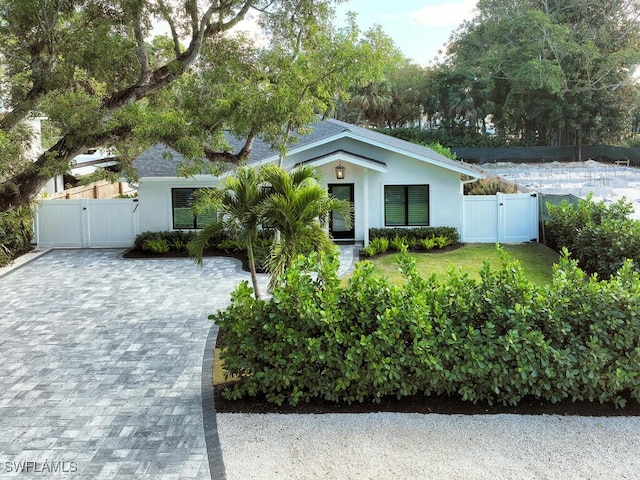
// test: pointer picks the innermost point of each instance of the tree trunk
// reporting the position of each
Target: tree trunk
(252, 269)
(24, 186)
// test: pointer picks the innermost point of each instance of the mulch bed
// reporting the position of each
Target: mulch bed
(422, 404)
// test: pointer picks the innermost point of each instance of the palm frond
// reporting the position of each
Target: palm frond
(198, 244)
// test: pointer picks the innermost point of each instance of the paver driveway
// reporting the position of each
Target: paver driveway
(101, 365)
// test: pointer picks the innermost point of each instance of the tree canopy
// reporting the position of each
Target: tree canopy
(555, 72)
(94, 69)
(543, 72)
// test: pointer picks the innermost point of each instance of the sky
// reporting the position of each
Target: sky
(419, 28)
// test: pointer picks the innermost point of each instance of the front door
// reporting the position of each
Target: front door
(338, 225)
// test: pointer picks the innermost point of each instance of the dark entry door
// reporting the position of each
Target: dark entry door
(337, 225)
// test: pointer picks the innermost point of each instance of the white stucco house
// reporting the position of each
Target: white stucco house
(391, 182)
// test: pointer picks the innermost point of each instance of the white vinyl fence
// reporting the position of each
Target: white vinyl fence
(503, 218)
(87, 223)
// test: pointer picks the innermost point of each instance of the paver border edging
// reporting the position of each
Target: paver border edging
(214, 450)
(23, 260)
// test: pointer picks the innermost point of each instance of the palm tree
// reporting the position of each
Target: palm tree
(298, 208)
(374, 102)
(237, 199)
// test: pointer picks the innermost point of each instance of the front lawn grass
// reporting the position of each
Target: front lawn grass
(536, 259)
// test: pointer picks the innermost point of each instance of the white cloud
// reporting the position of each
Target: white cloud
(445, 15)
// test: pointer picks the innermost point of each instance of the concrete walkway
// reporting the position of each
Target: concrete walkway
(102, 366)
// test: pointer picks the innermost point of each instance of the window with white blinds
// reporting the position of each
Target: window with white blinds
(183, 215)
(406, 205)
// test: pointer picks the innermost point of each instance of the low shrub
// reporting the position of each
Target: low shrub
(398, 242)
(380, 244)
(415, 234)
(498, 339)
(420, 238)
(489, 186)
(600, 237)
(176, 240)
(156, 245)
(16, 232)
(428, 243)
(369, 251)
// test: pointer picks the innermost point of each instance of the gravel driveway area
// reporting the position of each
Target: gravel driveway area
(395, 446)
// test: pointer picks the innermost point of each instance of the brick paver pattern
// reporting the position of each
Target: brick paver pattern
(101, 365)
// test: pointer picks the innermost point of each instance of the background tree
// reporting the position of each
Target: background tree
(268, 92)
(559, 71)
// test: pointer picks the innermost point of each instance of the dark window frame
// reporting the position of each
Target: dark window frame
(406, 188)
(194, 225)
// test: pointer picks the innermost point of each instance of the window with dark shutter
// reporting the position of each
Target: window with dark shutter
(183, 215)
(406, 205)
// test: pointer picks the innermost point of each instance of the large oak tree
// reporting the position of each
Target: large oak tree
(91, 67)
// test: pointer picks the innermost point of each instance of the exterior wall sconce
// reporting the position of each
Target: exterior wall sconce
(340, 171)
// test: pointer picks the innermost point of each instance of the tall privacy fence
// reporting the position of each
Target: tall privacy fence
(570, 153)
(102, 189)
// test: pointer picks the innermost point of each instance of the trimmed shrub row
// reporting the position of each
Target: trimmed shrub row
(162, 242)
(421, 238)
(498, 339)
(416, 233)
(158, 243)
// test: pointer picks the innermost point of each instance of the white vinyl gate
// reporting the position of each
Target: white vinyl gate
(87, 223)
(503, 218)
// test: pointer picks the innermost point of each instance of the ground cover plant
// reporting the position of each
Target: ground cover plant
(501, 339)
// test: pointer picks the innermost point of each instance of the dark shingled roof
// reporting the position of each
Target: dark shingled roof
(151, 163)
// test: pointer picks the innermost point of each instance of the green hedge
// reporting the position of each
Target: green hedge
(175, 240)
(161, 242)
(416, 233)
(498, 339)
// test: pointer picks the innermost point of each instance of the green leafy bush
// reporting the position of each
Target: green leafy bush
(498, 339)
(414, 235)
(380, 244)
(489, 186)
(442, 242)
(177, 240)
(421, 238)
(230, 245)
(398, 242)
(428, 243)
(156, 245)
(369, 251)
(16, 231)
(600, 237)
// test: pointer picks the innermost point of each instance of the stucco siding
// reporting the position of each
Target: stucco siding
(445, 198)
(155, 200)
